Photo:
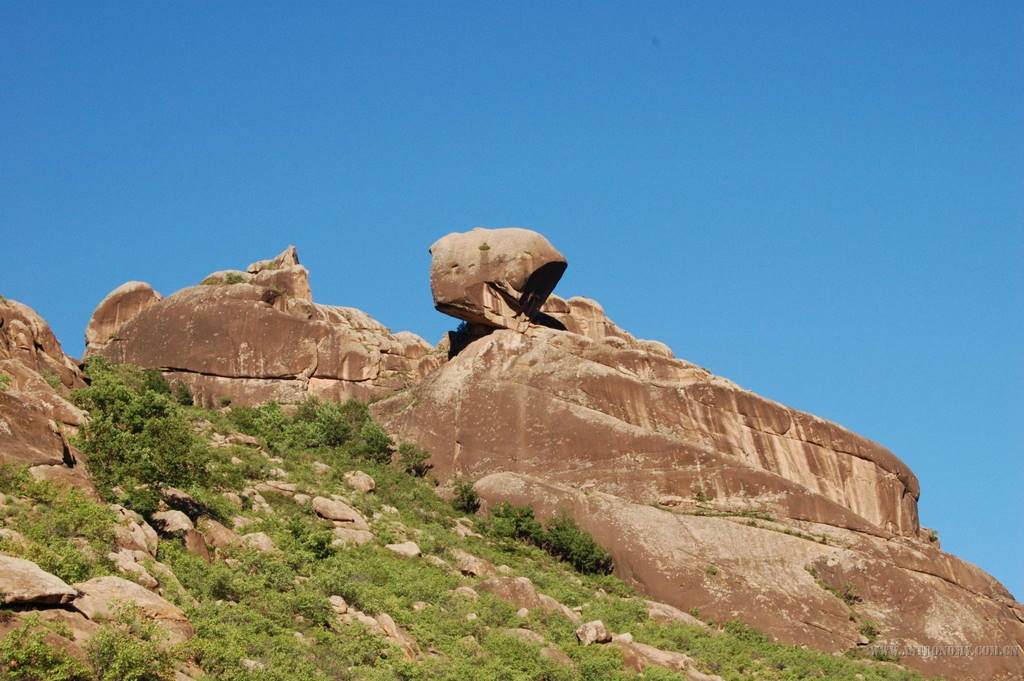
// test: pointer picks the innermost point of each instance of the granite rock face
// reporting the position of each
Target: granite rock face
(256, 336)
(36, 418)
(710, 496)
(494, 277)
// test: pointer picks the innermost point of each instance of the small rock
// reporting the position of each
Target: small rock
(524, 635)
(216, 534)
(593, 632)
(172, 523)
(339, 511)
(338, 604)
(259, 541)
(472, 566)
(302, 499)
(420, 605)
(360, 481)
(467, 592)
(557, 655)
(407, 548)
(22, 581)
(471, 616)
(344, 536)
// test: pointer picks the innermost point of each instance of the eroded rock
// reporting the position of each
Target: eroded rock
(494, 277)
(22, 582)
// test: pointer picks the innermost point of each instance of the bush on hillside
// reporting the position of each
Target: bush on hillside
(138, 437)
(561, 537)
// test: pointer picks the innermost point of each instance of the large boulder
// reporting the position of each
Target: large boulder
(121, 305)
(101, 597)
(252, 337)
(36, 417)
(494, 277)
(22, 582)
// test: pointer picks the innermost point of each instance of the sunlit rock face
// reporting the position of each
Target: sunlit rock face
(249, 337)
(497, 278)
(37, 421)
(709, 496)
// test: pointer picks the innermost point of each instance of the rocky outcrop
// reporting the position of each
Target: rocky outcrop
(801, 582)
(121, 305)
(22, 582)
(494, 277)
(256, 336)
(36, 418)
(632, 420)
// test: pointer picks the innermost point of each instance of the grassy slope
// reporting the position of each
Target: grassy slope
(266, 616)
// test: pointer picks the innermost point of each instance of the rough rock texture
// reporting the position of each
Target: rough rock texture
(779, 577)
(101, 596)
(642, 424)
(36, 419)
(787, 508)
(252, 337)
(121, 305)
(23, 582)
(494, 277)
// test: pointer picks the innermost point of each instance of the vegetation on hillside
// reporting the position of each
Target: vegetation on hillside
(268, 616)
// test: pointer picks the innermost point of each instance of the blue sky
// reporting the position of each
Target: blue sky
(820, 201)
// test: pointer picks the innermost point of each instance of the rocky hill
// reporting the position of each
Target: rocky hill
(711, 499)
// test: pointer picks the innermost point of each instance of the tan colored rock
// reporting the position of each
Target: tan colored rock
(592, 632)
(22, 582)
(398, 636)
(523, 635)
(559, 656)
(644, 426)
(339, 511)
(338, 605)
(101, 596)
(494, 277)
(472, 566)
(259, 541)
(35, 414)
(134, 533)
(130, 563)
(360, 481)
(264, 339)
(172, 523)
(409, 549)
(521, 592)
(666, 614)
(216, 534)
(121, 305)
(344, 536)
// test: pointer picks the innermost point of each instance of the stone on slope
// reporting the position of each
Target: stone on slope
(102, 596)
(494, 277)
(340, 512)
(22, 582)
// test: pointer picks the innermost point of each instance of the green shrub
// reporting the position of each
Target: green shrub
(137, 436)
(130, 648)
(466, 499)
(413, 460)
(5, 381)
(25, 655)
(562, 537)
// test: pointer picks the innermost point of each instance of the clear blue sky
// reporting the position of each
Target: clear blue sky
(820, 201)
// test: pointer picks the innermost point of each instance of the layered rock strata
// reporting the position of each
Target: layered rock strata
(247, 338)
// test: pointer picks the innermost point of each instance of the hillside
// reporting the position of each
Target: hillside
(290, 476)
(310, 547)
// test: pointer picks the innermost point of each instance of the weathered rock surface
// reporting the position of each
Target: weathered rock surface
(101, 596)
(494, 277)
(120, 306)
(252, 337)
(643, 424)
(22, 582)
(36, 418)
(780, 578)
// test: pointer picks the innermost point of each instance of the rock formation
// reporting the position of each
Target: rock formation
(256, 336)
(711, 497)
(494, 277)
(36, 418)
